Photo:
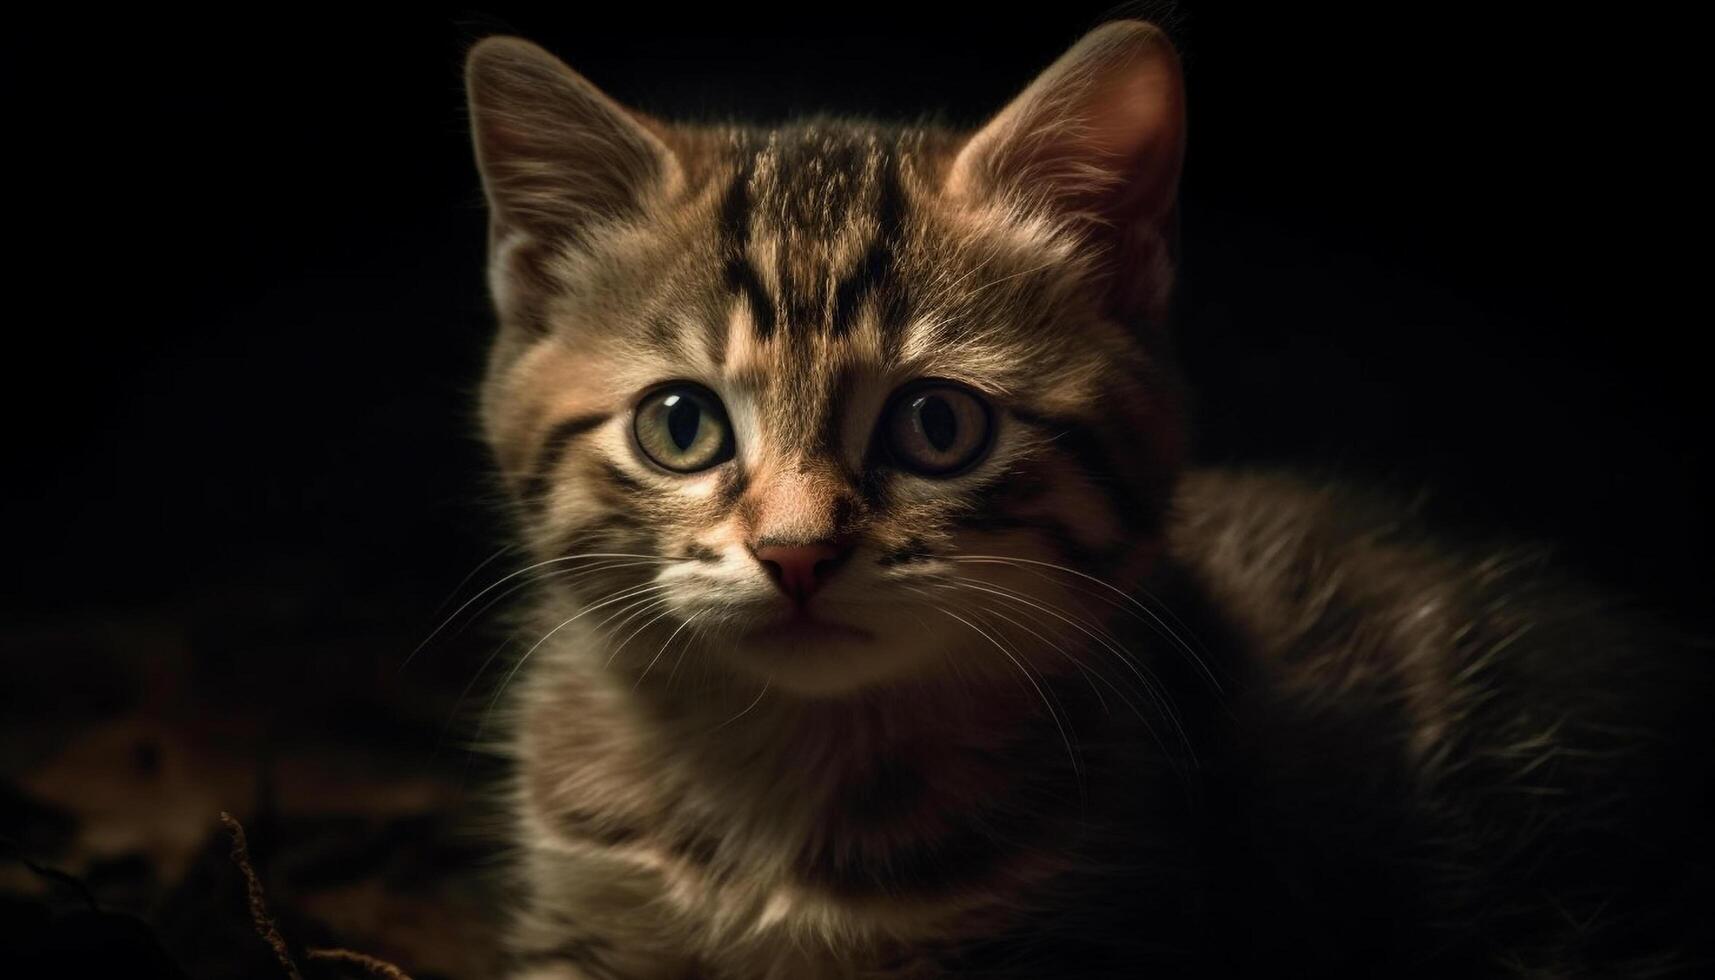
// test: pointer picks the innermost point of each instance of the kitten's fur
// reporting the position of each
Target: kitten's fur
(1198, 723)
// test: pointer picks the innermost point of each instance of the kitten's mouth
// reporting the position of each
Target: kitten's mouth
(801, 627)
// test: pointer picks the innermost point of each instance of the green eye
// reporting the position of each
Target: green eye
(937, 428)
(682, 427)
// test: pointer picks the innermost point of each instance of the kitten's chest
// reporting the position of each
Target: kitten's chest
(883, 837)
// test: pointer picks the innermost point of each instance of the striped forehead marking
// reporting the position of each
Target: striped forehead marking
(811, 226)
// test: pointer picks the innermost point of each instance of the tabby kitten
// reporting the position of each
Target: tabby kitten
(882, 633)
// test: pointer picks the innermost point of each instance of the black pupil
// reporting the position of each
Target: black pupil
(684, 418)
(940, 425)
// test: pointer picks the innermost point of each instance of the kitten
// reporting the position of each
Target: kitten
(881, 630)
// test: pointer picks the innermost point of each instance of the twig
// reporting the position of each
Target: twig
(373, 965)
(270, 933)
(258, 904)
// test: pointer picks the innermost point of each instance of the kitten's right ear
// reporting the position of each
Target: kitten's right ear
(556, 155)
(1097, 139)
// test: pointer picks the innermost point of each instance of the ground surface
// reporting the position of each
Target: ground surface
(124, 739)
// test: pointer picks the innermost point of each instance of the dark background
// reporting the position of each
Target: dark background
(1449, 251)
(1421, 247)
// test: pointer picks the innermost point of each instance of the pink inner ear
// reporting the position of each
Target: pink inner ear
(1098, 135)
(555, 152)
(1136, 128)
(1111, 135)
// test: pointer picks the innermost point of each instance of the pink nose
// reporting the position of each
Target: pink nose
(800, 569)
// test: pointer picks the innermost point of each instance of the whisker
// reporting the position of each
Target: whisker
(1152, 686)
(444, 603)
(1107, 641)
(494, 654)
(649, 666)
(631, 611)
(458, 705)
(747, 708)
(1154, 619)
(1089, 671)
(509, 577)
(1071, 755)
(646, 624)
(567, 574)
(989, 610)
(1083, 668)
(690, 641)
(627, 594)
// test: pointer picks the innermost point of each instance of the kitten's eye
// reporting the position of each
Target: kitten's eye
(937, 428)
(682, 427)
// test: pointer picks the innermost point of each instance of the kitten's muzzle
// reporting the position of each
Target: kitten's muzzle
(800, 570)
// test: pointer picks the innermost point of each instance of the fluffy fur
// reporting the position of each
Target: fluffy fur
(1075, 711)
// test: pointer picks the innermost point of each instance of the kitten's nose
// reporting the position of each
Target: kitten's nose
(801, 569)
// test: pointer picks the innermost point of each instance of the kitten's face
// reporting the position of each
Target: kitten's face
(818, 380)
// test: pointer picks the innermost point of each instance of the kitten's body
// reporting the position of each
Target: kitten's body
(1058, 711)
(1417, 763)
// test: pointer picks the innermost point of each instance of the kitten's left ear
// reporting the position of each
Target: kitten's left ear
(556, 154)
(1097, 139)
